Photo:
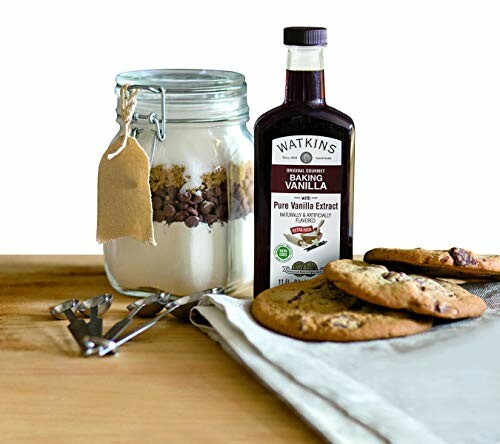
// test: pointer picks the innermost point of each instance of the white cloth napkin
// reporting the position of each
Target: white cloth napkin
(442, 386)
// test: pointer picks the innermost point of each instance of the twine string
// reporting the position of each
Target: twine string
(128, 102)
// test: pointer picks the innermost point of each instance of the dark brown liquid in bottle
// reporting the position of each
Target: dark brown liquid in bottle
(304, 112)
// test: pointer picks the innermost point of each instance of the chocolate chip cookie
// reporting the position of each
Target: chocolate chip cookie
(316, 310)
(419, 294)
(454, 263)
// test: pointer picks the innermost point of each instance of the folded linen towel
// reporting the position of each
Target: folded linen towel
(436, 387)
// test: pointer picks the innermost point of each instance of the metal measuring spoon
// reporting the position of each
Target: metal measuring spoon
(183, 310)
(151, 305)
(94, 307)
(58, 311)
(78, 328)
(95, 323)
(156, 302)
(185, 302)
(170, 307)
(102, 302)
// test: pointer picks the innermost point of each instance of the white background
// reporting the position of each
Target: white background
(420, 79)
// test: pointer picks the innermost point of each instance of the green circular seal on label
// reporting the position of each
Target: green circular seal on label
(283, 253)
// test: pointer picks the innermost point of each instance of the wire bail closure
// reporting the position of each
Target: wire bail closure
(152, 118)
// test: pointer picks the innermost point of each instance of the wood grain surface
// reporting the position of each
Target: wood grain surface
(170, 385)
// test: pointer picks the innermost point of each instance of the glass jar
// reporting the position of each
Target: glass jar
(192, 125)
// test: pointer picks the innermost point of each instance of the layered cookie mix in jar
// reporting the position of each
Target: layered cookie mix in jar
(192, 126)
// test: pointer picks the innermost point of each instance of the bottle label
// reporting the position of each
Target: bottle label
(306, 184)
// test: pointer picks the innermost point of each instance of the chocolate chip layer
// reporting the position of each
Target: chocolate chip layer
(171, 205)
(208, 204)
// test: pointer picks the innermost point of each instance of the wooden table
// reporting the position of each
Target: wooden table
(171, 384)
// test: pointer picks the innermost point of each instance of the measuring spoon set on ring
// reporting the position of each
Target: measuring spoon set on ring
(89, 335)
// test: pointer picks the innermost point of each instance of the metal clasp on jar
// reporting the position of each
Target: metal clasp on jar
(152, 118)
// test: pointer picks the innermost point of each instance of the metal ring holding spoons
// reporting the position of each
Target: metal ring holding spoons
(103, 302)
(57, 311)
(95, 344)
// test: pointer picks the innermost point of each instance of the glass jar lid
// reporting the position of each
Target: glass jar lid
(191, 95)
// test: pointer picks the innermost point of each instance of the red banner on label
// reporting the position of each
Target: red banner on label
(296, 230)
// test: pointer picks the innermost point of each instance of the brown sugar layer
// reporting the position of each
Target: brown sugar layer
(161, 177)
(214, 178)
(242, 198)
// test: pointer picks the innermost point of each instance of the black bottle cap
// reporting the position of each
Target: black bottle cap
(304, 36)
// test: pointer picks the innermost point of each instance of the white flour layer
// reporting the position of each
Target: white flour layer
(241, 258)
(184, 261)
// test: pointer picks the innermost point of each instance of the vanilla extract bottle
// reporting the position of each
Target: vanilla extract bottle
(304, 173)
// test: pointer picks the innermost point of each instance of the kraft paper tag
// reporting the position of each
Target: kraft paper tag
(124, 206)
